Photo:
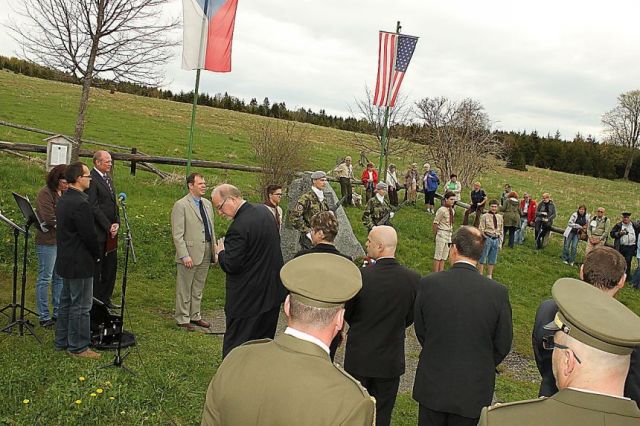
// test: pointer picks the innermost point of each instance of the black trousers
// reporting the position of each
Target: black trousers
(345, 190)
(242, 330)
(428, 417)
(512, 232)
(384, 390)
(628, 252)
(541, 229)
(104, 277)
(393, 196)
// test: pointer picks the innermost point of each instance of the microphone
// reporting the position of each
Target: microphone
(122, 196)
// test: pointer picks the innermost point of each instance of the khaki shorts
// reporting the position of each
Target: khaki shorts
(442, 246)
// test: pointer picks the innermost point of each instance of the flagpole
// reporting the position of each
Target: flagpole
(195, 94)
(385, 126)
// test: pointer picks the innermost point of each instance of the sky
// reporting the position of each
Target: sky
(545, 65)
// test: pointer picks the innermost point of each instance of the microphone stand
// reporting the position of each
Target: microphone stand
(118, 360)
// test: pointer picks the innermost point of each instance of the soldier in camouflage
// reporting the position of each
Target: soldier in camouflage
(308, 205)
(378, 211)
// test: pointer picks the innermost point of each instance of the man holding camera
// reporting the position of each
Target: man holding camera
(626, 238)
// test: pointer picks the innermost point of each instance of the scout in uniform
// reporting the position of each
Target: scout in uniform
(377, 209)
(291, 380)
(309, 204)
(594, 337)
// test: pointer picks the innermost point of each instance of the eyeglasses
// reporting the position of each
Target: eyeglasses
(86, 176)
(550, 344)
(222, 205)
(277, 194)
(600, 211)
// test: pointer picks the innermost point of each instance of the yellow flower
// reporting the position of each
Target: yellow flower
(78, 401)
(107, 383)
(25, 401)
(93, 394)
(111, 398)
(99, 390)
(81, 378)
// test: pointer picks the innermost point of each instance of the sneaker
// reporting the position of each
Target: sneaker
(570, 263)
(47, 323)
(86, 354)
(565, 262)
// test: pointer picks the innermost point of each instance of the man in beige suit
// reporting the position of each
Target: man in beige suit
(192, 230)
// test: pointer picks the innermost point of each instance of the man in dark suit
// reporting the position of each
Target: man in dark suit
(102, 197)
(463, 322)
(603, 268)
(77, 252)
(378, 316)
(250, 255)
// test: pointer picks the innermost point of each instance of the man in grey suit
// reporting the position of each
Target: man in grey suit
(193, 234)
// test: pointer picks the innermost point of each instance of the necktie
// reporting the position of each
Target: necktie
(451, 216)
(205, 221)
(495, 221)
(107, 179)
(275, 212)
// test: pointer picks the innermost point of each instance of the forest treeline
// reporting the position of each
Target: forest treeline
(582, 155)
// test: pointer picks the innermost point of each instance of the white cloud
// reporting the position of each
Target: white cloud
(546, 65)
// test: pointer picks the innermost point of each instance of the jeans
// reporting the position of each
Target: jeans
(570, 247)
(73, 327)
(511, 231)
(635, 280)
(490, 251)
(47, 274)
(520, 233)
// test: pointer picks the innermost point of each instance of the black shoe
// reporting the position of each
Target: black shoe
(47, 323)
(111, 305)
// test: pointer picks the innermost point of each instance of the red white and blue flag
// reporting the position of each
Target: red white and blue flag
(394, 54)
(208, 34)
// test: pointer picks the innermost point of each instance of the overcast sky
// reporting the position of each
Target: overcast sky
(542, 65)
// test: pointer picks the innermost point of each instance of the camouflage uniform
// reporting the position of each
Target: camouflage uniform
(307, 206)
(374, 212)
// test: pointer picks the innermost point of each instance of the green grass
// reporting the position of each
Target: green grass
(174, 367)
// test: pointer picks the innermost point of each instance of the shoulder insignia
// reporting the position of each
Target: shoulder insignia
(299, 207)
(255, 342)
(354, 380)
(498, 405)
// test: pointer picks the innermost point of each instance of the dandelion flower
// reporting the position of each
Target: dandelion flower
(25, 401)
(99, 390)
(93, 394)
(78, 401)
(81, 378)
(112, 398)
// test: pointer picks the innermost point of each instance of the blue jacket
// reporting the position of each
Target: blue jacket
(432, 181)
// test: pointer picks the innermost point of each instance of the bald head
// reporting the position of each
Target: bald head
(382, 242)
(226, 200)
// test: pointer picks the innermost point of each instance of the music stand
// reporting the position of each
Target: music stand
(31, 217)
(14, 293)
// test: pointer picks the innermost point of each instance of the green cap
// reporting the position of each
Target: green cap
(594, 318)
(322, 280)
(318, 175)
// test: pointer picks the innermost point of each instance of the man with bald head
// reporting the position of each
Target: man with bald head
(378, 316)
(250, 256)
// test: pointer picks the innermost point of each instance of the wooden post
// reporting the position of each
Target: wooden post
(133, 162)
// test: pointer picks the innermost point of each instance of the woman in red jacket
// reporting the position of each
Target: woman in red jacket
(527, 216)
(369, 180)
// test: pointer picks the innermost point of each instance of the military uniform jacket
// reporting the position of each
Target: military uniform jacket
(374, 212)
(308, 205)
(568, 407)
(286, 381)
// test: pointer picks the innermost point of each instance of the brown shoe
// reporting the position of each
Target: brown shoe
(201, 323)
(187, 326)
(86, 354)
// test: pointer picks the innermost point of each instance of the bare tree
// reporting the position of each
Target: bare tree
(622, 125)
(457, 137)
(124, 40)
(397, 142)
(280, 148)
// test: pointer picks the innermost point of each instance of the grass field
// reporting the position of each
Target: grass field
(175, 367)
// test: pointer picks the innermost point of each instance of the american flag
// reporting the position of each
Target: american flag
(394, 53)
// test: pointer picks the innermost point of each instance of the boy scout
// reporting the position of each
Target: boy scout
(377, 209)
(291, 380)
(309, 204)
(594, 336)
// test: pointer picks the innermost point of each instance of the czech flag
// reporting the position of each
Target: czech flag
(208, 34)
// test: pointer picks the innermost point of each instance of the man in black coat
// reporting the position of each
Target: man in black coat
(324, 229)
(250, 255)
(77, 252)
(378, 316)
(463, 322)
(626, 235)
(603, 268)
(102, 197)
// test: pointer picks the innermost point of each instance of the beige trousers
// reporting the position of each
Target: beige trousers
(189, 287)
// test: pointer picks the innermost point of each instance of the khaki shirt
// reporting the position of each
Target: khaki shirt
(342, 170)
(487, 228)
(442, 219)
(598, 227)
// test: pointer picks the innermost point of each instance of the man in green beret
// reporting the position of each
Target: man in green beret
(377, 212)
(594, 337)
(309, 204)
(291, 380)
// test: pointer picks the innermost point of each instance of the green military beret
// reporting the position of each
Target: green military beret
(594, 318)
(322, 280)
(318, 175)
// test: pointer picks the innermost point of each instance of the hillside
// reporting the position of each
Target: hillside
(175, 367)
